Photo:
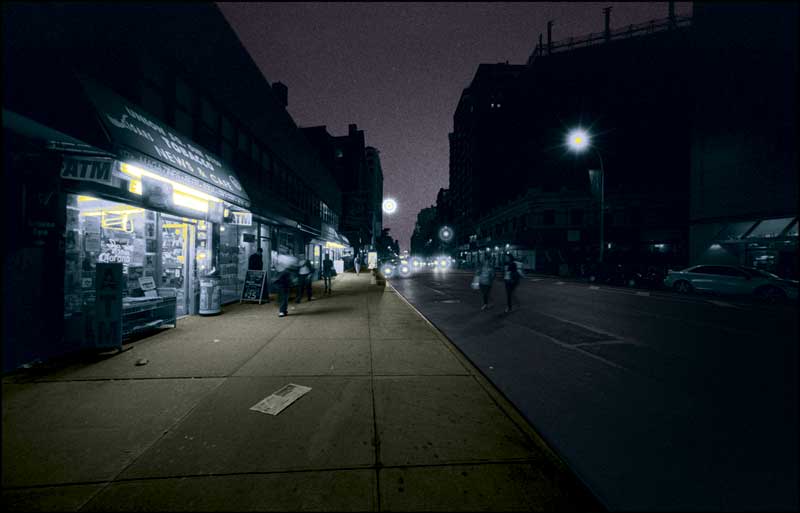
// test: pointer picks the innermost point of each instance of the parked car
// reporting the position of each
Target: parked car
(732, 280)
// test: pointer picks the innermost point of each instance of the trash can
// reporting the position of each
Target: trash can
(210, 296)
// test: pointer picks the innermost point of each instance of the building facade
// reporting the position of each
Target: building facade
(744, 190)
(375, 191)
(358, 173)
(482, 143)
(630, 88)
(145, 152)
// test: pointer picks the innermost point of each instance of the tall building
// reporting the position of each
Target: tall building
(629, 88)
(358, 173)
(423, 237)
(143, 135)
(744, 190)
(482, 143)
(375, 191)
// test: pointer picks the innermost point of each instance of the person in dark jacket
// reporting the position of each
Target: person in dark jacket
(511, 276)
(282, 281)
(304, 277)
(327, 272)
(256, 261)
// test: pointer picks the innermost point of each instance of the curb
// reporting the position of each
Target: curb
(506, 406)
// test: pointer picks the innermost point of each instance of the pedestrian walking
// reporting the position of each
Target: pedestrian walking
(304, 277)
(511, 277)
(285, 270)
(327, 272)
(484, 277)
(357, 263)
(256, 261)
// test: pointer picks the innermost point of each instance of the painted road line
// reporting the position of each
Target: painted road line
(594, 287)
(640, 293)
(537, 279)
(559, 283)
(721, 303)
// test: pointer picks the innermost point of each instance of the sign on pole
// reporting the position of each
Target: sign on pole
(372, 260)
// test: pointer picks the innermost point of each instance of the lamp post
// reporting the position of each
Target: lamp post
(579, 140)
(389, 206)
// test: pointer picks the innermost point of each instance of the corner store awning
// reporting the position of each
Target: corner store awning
(142, 139)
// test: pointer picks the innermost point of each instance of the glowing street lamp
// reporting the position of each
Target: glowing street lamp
(389, 206)
(579, 140)
(445, 234)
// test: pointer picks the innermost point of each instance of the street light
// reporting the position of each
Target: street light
(578, 140)
(389, 206)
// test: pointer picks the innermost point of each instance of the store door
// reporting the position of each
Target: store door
(177, 260)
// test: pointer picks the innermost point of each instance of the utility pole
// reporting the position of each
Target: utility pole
(550, 37)
(607, 13)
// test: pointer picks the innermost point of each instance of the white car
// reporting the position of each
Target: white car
(732, 280)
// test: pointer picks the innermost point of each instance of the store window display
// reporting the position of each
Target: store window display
(236, 244)
(104, 231)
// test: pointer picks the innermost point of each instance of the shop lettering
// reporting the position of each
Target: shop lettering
(188, 154)
(91, 170)
(127, 125)
(115, 253)
(135, 115)
(164, 154)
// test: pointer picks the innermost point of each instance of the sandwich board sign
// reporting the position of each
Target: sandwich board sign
(253, 288)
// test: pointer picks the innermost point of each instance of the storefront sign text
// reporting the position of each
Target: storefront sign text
(130, 126)
(91, 170)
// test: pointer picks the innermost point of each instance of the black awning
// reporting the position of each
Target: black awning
(142, 139)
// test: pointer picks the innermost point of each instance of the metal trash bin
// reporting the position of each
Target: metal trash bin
(210, 296)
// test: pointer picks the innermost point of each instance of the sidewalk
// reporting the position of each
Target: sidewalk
(396, 419)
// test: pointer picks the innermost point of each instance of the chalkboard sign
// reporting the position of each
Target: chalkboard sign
(253, 289)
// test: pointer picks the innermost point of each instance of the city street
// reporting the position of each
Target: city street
(396, 419)
(657, 401)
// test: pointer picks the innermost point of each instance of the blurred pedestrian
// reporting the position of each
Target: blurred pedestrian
(327, 272)
(285, 267)
(256, 261)
(511, 277)
(304, 278)
(357, 263)
(484, 277)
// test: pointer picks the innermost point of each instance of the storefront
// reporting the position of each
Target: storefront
(769, 244)
(172, 214)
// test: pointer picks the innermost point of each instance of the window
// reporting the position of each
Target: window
(153, 100)
(266, 172)
(209, 116)
(227, 151)
(244, 143)
(183, 123)
(183, 95)
(227, 129)
(255, 153)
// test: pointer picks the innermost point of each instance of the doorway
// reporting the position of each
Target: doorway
(178, 260)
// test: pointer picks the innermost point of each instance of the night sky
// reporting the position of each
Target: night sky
(397, 70)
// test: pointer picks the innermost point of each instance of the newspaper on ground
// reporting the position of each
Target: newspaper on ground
(280, 399)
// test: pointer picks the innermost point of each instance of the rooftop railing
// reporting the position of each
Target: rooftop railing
(596, 38)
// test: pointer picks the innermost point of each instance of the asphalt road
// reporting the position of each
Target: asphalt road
(657, 401)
